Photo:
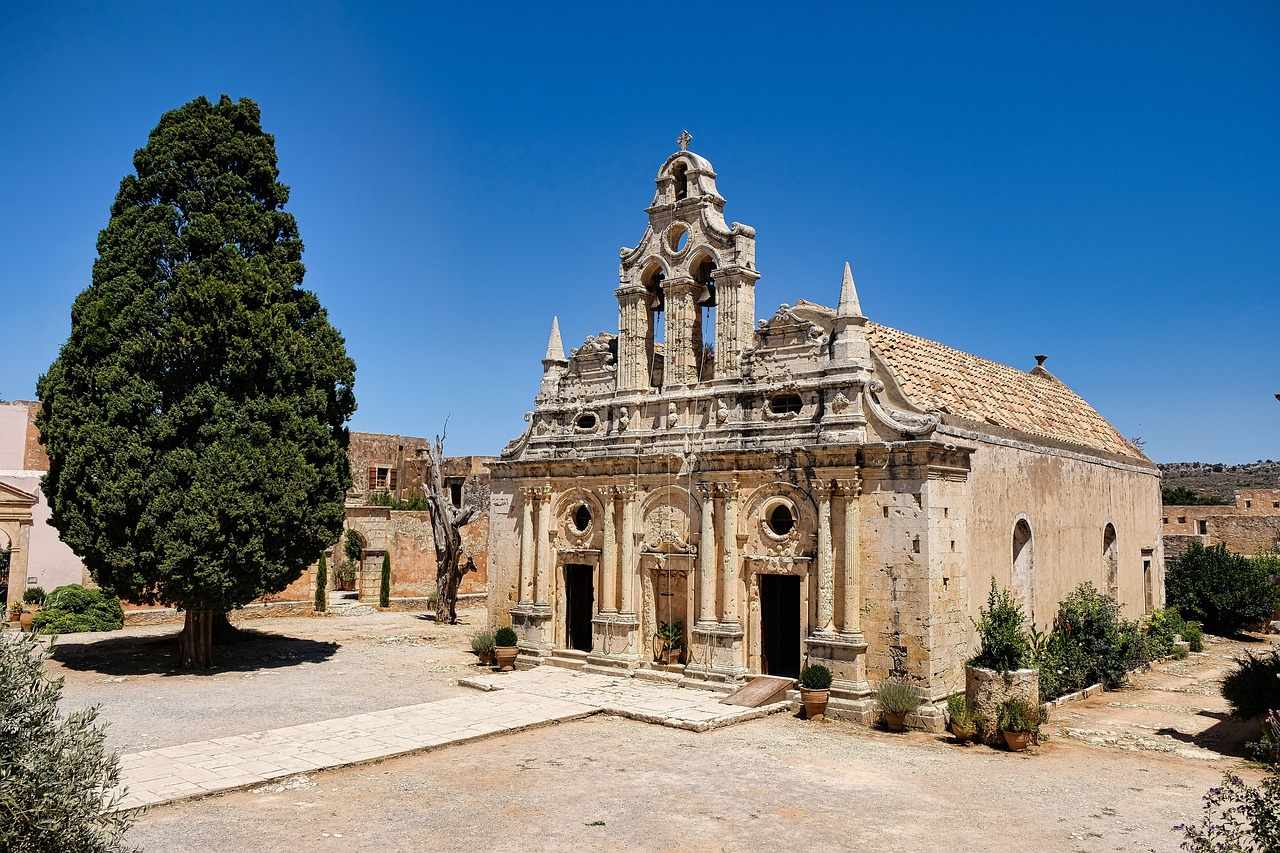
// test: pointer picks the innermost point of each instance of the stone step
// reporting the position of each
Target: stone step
(567, 659)
(350, 608)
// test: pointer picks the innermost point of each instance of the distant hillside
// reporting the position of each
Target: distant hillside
(1219, 480)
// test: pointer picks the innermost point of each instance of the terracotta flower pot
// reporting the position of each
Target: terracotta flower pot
(506, 656)
(25, 620)
(1016, 741)
(815, 702)
(671, 656)
(964, 733)
(895, 721)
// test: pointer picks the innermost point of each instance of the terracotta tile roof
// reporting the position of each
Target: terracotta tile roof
(936, 377)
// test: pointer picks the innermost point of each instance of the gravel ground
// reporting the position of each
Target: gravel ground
(775, 783)
(283, 672)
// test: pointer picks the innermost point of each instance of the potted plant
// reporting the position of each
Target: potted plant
(963, 725)
(815, 690)
(483, 644)
(1019, 723)
(505, 650)
(671, 642)
(32, 598)
(15, 612)
(1004, 667)
(897, 699)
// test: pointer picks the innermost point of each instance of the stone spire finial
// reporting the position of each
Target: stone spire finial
(555, 346)
(849, 306)
(684, 139)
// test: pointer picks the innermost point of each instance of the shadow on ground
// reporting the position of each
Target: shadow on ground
(245, 650)
(1229, 736)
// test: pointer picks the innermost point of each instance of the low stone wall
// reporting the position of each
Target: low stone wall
(987, 690)
(172, 615)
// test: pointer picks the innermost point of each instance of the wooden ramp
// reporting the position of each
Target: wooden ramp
(761, 690)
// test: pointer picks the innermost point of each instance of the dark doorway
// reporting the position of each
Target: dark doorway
(780, 625)
(578, 598)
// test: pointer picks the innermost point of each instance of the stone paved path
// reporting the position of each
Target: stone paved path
(511, 702)
(677, 707)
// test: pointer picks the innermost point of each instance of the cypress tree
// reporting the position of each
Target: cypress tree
(384, 589)
(195, 419)
(322, 586)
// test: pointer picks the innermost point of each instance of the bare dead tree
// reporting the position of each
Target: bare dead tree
(447, 522)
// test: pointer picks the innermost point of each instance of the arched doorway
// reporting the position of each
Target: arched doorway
(1023, 575)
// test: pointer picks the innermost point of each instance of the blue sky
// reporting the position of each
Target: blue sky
(1098, 183)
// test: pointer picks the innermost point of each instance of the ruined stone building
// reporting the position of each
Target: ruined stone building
(1250, 526)
(387, 474)
(810, 488)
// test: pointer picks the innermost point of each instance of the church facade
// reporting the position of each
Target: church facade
(810, 488)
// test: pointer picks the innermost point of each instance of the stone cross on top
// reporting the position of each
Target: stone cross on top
(684, 139)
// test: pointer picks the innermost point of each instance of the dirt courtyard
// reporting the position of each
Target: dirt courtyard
(771, 784)
(1119, 771)
(281, 672)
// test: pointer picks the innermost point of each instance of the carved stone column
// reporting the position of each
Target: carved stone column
(543, 594)
(527, 499)
(826, 568)
(608, 554)
(628, 573)
(681, 363)
(729, 615)
(633, 334)
(707, 556)
(851, 622)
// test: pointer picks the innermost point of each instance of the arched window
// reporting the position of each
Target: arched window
(705, 330)
(1111, 561)
(680, 176)
(1023, 577)
(656, 336)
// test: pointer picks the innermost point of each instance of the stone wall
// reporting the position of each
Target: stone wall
(1250, 526)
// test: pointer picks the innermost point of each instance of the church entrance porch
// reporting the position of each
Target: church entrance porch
(579, 590)
(780, 625)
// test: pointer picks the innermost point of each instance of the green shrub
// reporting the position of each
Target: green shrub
(1266, 749)
(482, 644)
(1238, 818)
(1163, 629)
(72, 609)
(384, 585)
(1004, 644)
(57, 778)
(1019, 715)
(33, 595)
(815, 677)
(1088, 644)
(672, 635)
(897, 697)
(1193, 634)
(505, 637)
(1223, 591)
(960, 713)
(353, 546)
(322, 584)
(1253, 687)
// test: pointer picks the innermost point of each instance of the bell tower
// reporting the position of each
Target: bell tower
(688, 262)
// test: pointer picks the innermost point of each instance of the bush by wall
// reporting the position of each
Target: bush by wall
(1002, 634)
(1088, 644)
(73, 608)
(1225, 592)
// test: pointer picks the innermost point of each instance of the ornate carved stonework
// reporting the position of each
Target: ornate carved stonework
(666, 529)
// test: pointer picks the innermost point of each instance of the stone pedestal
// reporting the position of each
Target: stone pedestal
(615, 639)
(845, 656)
(532, 624)
(716, 652)
(987, 690)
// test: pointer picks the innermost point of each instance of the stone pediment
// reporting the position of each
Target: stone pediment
(11, 495)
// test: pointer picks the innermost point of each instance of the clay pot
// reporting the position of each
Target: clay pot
(815, 702)
(1016, 741)
(25, 620)
(671, 656)
(964, 733)
(486, 659)
(895, 721)
(506, 656)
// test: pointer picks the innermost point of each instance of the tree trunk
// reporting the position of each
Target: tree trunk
(195, 643)
(446, 522)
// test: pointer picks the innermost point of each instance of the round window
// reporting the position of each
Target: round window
(781, 521)
(586, 421)
(581, 518)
